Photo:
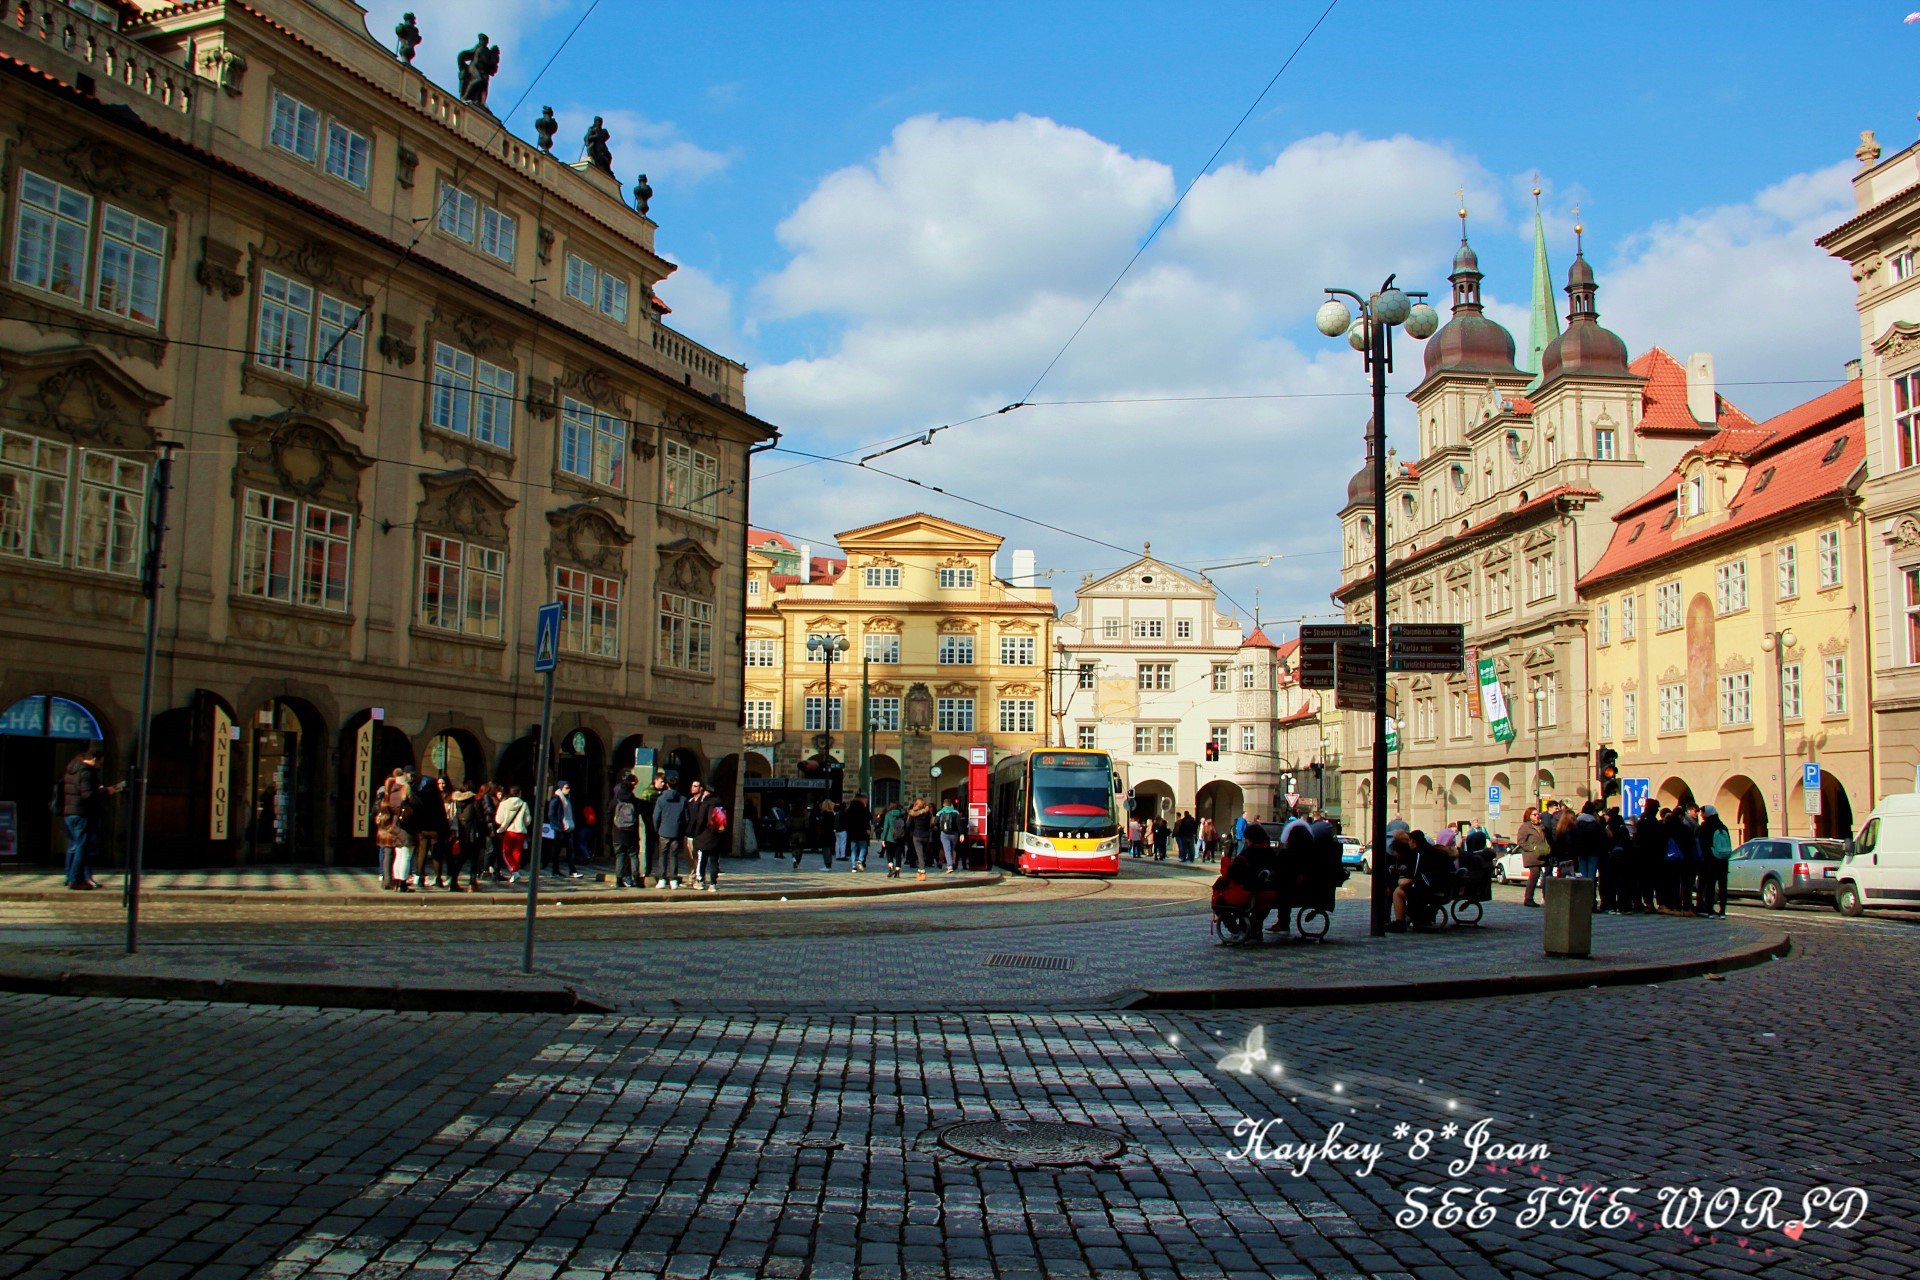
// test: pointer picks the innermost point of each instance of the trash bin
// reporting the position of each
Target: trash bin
(1569, 916)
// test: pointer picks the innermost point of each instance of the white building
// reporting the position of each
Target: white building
(1150, 670)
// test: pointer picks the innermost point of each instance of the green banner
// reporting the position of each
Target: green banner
(1393, 734)
(1493, 703)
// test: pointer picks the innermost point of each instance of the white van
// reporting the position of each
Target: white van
(1884, 871)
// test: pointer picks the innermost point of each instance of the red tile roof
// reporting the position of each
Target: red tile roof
(1258, 640)
(1788, 466)
(761, 537)
(1306, 712)
(1664, 399)
(827, 569)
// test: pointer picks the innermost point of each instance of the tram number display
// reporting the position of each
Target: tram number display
(1048, 760)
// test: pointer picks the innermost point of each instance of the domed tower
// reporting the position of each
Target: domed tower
(1585, 349)
(1470, 342)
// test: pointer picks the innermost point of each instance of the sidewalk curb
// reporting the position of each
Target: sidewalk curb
(1455, 988)
(323, 995)
(515, 899)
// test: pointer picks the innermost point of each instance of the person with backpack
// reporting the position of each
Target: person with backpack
(670, 822)
(469, 843)
(1716, 847)
(857, 820)
(951, 826)
(707, 829)
(920, 834)
(893, 829)
(626, 836)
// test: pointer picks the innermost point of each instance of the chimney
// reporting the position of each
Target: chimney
(1700, 401)
(806, 562)
(1023, 570)
(1853, 369)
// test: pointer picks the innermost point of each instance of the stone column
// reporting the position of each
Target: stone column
(916, 770)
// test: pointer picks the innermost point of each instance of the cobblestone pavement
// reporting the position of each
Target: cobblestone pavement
(152, 1140)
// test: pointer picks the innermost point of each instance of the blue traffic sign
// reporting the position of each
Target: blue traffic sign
(1810, 776)
(1633, 795)
(546, 639)
(1493, 794)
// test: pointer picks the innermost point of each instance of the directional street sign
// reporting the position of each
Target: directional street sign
(1357, 675)
(1633, 796)
(546, 639)
(1316, 651)
(1810, 784)
(1427, 646)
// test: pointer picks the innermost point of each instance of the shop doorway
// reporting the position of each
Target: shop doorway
(286, 783)
(39, 737)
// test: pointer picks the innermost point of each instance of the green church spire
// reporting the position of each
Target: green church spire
(1545, 325)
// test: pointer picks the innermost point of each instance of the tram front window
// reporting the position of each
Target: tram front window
(1072, 795)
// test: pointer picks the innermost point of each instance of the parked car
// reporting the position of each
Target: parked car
(1884, 869)
(1353, 854)
(1509, 867)
(1782, 869)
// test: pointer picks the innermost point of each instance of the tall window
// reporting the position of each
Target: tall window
(1016, 651)
(459, 213)
(1693, 496)
(1223, 676)
(312, 336)
(818, 653)
(1017, 715)
(1086, 675)
(461, 585)
(956, 651)
(1249, 680)
(39, 480)
(1906, 417)
(1183, 629)
(1827, 554)
(882, 648)
(1110, 629)
(1084, 736)
(1545, 696)
(1153, 739)
(1786, 561)
(472, 397)
(1603, 444)
(481, 225)
(294, 552)
(690, 479)
(1156, 675)
(1627, 619)
(824, 714)
(953, 715)
(1730, 587)
(1148, 629)
(1901, 266)
(1603, 624)
(1736, 698)
(1791, 701)
(686, 633)
(50, 243)
(1834, 670)
(1912, 578)
(296, 127)
(759, 713)
(763, 653)
(1630, 714)
(1606, 718)
(1673, 708)
(589, 612)
(602, 290)
(298, 130)
(593, 445)
(882, 576)
(1457, 709)
(1666, 603)
(1217, 735)
(1541, 581)
(1249, 738)
(883, 714)
(956, 579)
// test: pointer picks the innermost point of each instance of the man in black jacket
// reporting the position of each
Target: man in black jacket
(83, 804)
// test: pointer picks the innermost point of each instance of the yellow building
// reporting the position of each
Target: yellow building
(951, 657)
(1731, 602)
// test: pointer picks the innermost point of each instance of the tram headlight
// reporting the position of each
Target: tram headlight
(1035, 844)
(1110, 845)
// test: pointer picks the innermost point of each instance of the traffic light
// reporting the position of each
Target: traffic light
(1317, 768)
(1213, 750)
(1606, 765)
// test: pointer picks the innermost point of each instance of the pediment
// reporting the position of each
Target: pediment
(1146, 576)
(919, 531)
(584, 534)
(300, 455)
(77, 393)
(463, 501)
(688, 567)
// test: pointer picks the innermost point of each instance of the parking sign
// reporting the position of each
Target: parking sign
(1810, 784)
(1493, 800)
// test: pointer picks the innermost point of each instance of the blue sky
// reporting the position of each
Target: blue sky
(896, 214)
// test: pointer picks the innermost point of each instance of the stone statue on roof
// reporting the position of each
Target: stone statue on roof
(642, 194)
(408, 33)
(598, 153)
(546, 126)
(478, 66)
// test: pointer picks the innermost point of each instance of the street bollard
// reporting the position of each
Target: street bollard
(1569, 916)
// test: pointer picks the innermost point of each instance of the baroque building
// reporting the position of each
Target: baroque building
(941, 656)
(1723, 615)
(1152, 672)
(1509, 499)
(419, 381)
(1881, 245)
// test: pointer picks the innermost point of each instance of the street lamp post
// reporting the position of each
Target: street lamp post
(1372, 335)
(1778, 642)
(829, 648)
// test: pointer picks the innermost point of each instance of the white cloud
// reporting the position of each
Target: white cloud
(1746, 282)
(639, 145)
(702, 308)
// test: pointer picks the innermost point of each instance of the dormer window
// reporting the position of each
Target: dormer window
(1693, 496)
(1766, 478)
(1834, 451)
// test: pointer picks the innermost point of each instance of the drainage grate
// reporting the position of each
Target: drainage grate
(1004, 961)
(1032, 1141)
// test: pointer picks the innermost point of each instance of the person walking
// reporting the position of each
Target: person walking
(1185, 833)
(386, 837)
(706, 826)
(839, 813)
(670, 821)
(951, 826)
(1161, 834)
(515, 820)
(488, 800)
(83, 807)
(893, 836)
(821, 827)
(1716, 847)
(626, 836)
(1532, 840)
(469, 843)
(920, 833)
(557, 835)
(857, 819)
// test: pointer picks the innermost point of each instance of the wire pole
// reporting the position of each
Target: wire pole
(150, 584)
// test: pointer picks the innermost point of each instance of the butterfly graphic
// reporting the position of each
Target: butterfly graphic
(1248, 1057)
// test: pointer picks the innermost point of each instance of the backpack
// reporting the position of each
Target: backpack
(898, 831)
(1673, 851)
(951, 823)
(717, 820)
(625, 815)
(1722, 844)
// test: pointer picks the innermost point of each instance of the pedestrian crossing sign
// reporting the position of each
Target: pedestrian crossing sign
(546, 639)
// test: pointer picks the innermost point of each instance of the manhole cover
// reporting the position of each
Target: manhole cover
(291, 966)
(1034, 1141)
(1004, 961)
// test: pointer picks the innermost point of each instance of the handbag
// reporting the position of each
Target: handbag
(546, 831)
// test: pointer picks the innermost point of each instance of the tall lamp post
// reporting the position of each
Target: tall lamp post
(829, 648)
(1777, 643)
(1372, 336)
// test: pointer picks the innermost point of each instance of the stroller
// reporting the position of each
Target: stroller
(1473, 886)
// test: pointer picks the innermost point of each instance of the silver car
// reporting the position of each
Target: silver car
(1783, 869)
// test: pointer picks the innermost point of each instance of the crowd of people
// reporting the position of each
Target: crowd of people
(847, 832)
(1668, 860)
